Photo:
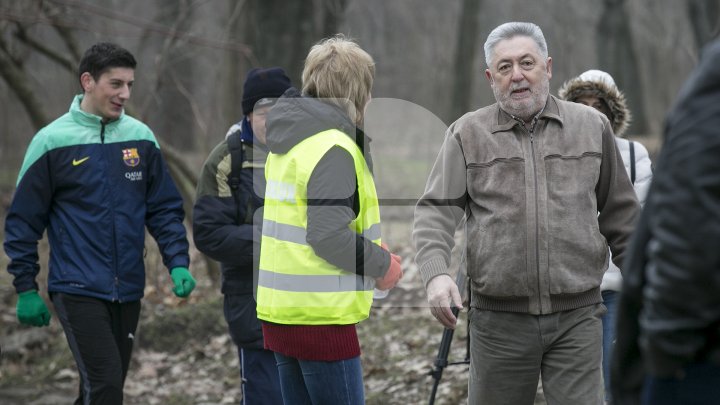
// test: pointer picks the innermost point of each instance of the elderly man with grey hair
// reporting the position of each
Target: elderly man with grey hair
(530, 174)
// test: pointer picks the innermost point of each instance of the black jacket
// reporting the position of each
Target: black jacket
(224, 229)
(332, 187)
(227, 228)
(669, 311)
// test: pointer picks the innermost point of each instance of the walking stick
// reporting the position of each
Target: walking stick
(441, 361)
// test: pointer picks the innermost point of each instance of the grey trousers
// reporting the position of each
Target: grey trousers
(510, 351)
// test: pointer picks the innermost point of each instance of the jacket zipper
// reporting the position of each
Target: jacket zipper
(537, 217)
(116, 279)
(531, 133)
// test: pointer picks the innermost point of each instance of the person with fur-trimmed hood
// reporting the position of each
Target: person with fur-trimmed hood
(597, 89)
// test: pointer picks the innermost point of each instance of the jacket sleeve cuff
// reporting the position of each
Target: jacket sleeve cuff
(23, 284)
(433, 268)
(178, 261)
(384, 261)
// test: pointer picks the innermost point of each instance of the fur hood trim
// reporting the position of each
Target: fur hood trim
(614, 98)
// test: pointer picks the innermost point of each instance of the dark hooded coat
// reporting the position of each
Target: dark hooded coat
(669, 311)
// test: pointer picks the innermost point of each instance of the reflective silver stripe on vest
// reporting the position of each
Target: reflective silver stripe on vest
(314, 283)
(281, 191)
(284, 232)
(297, 234)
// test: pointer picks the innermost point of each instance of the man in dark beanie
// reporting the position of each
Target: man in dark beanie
(261, 83)
(230, 190)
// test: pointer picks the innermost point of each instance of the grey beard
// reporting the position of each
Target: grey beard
(523, 110)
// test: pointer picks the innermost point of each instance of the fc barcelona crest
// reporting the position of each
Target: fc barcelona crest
(131, 157)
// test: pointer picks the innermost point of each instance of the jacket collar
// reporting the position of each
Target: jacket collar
(505, 121)
(85, 118)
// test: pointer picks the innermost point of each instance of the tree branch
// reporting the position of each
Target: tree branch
(18, 81)
(63, 31)
(197, 115)
(21, 34)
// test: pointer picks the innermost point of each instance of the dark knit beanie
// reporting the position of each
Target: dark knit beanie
(263, 83)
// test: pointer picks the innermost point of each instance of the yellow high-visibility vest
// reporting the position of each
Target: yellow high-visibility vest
(295, 286)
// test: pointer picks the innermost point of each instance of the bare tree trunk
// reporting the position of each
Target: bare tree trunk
(333, 12)
(173, 63)
(617, 57)
(705, 20)
(465, 52)
(233, 68)
(284, 38)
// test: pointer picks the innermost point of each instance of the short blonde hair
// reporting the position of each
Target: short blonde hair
(337, 68)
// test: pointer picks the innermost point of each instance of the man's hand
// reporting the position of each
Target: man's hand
(442, 292)
(183, 280)
(31, 309)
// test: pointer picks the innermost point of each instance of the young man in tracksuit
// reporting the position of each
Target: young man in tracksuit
(95, 178)
(230, 191)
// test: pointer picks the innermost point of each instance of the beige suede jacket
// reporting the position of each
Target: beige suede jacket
(535, 241)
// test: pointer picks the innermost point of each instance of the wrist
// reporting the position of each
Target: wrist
(431, 269)
(27, 292)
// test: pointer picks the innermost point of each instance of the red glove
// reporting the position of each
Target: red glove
(392, 276)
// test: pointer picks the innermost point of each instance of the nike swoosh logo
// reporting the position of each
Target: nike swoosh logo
(80, 161)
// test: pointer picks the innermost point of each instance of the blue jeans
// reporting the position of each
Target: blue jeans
(697, 384)
(610, 299)
(320, 382)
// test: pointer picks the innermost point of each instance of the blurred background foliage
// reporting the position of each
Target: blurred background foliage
(193, 55)
(192, 59)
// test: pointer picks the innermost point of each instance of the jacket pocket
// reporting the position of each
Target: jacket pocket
(80, 264)
(577, 251)
(496, 227)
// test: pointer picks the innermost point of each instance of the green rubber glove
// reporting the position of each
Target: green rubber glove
(184, 281)
(31, 309)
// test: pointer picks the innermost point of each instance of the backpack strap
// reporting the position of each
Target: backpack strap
(241, 158)
(236, 159)
(248, 163)
(632, 162)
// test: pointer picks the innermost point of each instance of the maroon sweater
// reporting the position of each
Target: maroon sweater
(312, 342)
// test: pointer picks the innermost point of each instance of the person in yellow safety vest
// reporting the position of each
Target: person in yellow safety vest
(321, 251)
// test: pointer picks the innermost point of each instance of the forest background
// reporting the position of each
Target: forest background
(192, 59)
